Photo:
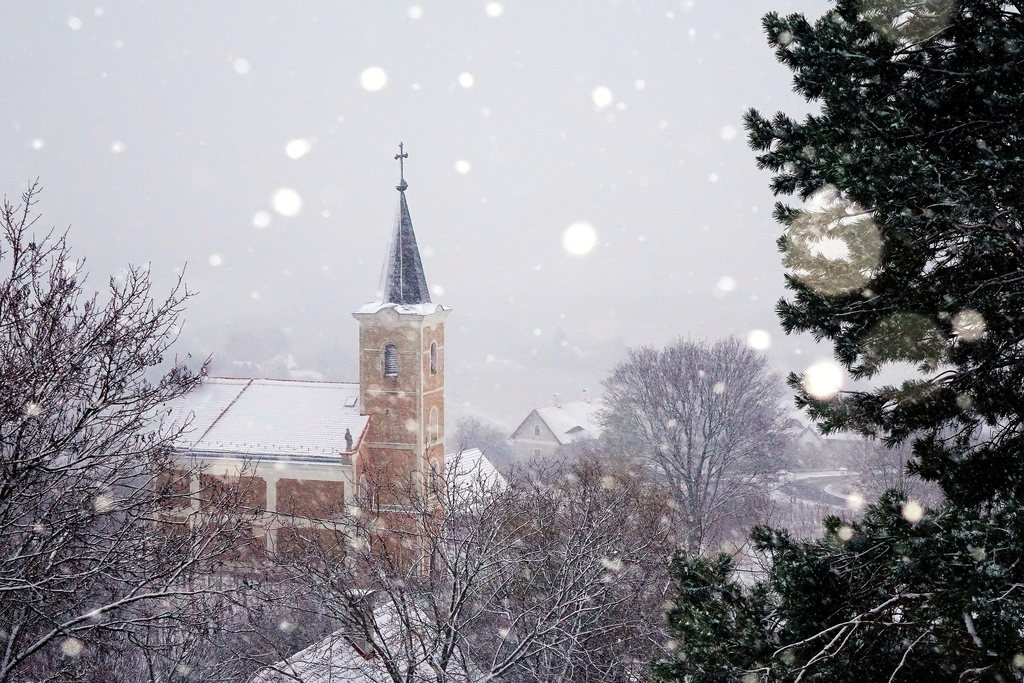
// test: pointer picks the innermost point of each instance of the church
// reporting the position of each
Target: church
(306, 450)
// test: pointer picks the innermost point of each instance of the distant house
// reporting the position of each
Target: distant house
(546, 429)
(802, 436)
(808, 449)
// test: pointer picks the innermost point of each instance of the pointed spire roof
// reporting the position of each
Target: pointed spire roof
(402, 281)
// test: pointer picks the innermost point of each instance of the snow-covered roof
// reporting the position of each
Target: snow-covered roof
(339, 657)
(571, 421)
(402, 309)
(471, 468)
(271, 417)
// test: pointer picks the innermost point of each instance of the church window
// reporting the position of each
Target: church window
(433, 358)
(434, 425)
(536, 430)
(390, 360)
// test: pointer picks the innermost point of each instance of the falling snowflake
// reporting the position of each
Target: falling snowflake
(912, 511)
(725, 284)
(823, 380)
(579, 238)
(759, 340)
(241, 65)
(298, 148)
(261, 219)
(286, 201)
(612, 563)
(494, 9)
(601, 96)
(969, 325)
(374, 78)
(71, 647)
(466, 79)
(215, 260)
(462, 166)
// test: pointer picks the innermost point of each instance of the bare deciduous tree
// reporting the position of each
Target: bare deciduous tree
(883, 468)
(545, 578)
(709, 417)
(474, 432)
(96, 572)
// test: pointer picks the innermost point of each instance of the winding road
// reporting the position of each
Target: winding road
(824, 487)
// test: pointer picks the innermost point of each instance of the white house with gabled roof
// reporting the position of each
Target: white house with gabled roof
(547, 429)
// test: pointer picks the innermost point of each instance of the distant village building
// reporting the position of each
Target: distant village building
(545, 430)
(808, 449)
(307, 449)
(802, 436)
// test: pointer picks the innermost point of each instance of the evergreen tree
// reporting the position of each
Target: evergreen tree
(915, 169)
(908, 248)
(891, 597)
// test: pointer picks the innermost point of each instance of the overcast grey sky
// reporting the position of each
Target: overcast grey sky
(161, 131)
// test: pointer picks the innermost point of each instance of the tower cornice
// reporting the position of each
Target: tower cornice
(429, 313)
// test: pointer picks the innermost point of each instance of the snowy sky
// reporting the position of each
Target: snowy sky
(174, 132)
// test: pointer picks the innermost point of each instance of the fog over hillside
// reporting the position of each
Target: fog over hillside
(579, 178)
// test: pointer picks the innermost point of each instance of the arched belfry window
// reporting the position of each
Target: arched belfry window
(433, 358)
(435, 427)
(390, 360)
(536, 430)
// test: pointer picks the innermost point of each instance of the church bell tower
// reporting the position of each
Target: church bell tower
(401, 371)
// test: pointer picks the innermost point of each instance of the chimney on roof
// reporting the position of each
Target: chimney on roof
(348, 440)
(558, 400)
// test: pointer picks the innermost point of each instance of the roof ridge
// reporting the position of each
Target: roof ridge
(226, 408)
(250, 380)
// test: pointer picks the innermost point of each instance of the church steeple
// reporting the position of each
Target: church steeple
(401, 372)
(402, 281)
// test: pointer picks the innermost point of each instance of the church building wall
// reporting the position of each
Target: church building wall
(282, 493)
(407, 411)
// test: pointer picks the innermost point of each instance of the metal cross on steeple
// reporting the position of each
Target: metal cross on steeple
(401, 157)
